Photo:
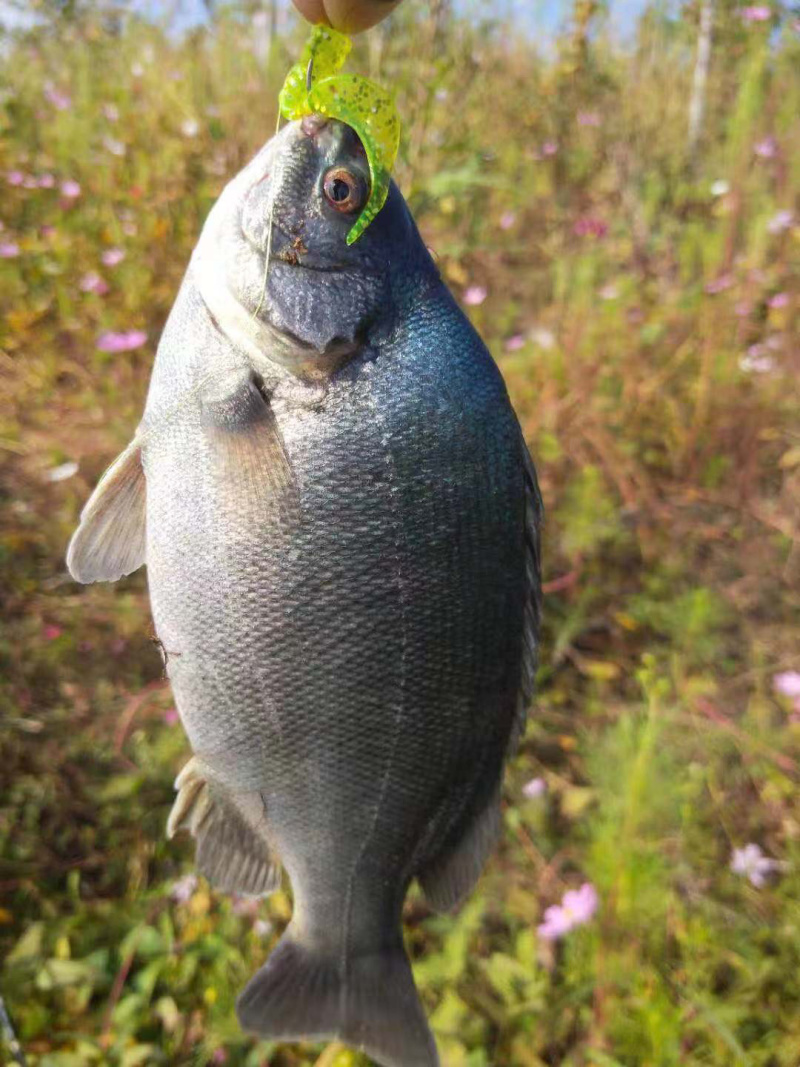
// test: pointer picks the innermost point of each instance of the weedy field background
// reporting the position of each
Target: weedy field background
(642, 296)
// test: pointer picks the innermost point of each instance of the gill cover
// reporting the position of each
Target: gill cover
(315, 85)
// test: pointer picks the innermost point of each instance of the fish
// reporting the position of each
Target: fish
(341, 525)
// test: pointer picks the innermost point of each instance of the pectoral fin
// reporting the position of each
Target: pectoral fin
(230, 853)
(250, 462)
(110, 540)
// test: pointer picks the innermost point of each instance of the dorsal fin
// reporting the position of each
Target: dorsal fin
(110, 540)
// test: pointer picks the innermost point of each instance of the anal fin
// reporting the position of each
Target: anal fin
(230, 853)
(110, 540)
(450, 878)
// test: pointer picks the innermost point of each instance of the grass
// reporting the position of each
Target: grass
(643, 304)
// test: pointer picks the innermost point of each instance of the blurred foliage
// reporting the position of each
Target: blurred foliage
(644, 306)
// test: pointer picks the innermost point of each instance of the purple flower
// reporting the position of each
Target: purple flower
(474, 295)
(171, 716)
(779, 300)
(507, 220)
(220, 1056)
(756, 13)
(15, 177)
(549, 148)
(9, 250)
(576, 908)
(60, 101)
(751, 863)
(588, 118)
(112, 256)
(720, 284)
(787, 683)
(766, 149)
(515, 343)
(121, 342)
(92, 282)
(182, 889)
(590, 226)
(780, 221)
(46, 181)
(535, 788)
(70, 189)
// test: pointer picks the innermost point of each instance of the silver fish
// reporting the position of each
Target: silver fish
(340, 521)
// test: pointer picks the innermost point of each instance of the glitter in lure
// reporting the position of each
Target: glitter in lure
(315, 85)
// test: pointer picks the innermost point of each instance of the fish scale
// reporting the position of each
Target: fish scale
(340, 523)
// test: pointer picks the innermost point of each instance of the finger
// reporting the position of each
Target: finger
(313, 10)
(353, 16)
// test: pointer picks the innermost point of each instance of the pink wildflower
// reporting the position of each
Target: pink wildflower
(111, 112)
(220, 1056)
(787, 683)
(70, 189)
(549, 148)
(751, 863)
(535, 788)
(51, 632)
(766, 149)
(171, 716)
(779, 300)
(507, 220)
(780, 221)
(515, 343)
(474, 295)
(60, 101)
(112, 256)
(183, 889)
(589, 226)
(756, 13)
(46, 181)
(588, 118)
(245, 907)
(92, 282)
(9, 249)
(15, 177)
(121, 342)
(756, 360)
(720, 284)
(576, 908)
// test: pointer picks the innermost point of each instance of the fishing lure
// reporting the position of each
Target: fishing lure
(315, 84)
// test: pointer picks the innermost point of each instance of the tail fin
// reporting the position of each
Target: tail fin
(298, 995)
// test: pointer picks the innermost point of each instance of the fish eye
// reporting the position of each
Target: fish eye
(343, 190)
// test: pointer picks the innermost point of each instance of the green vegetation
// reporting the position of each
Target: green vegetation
(643, 301)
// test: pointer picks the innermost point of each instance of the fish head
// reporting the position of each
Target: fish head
(274, 264)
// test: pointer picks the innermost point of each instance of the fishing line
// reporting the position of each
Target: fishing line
(263, 296)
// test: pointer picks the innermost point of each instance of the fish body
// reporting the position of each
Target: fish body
(340, 525)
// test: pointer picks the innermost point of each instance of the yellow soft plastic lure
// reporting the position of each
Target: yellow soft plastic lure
(315, 85)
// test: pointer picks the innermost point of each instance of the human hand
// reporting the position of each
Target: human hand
(347, 16)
